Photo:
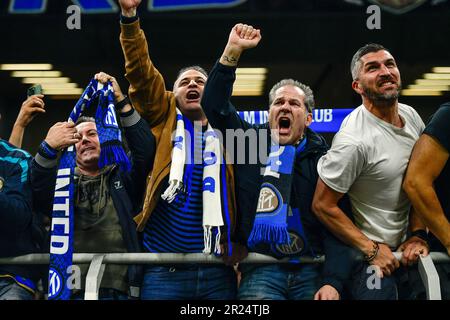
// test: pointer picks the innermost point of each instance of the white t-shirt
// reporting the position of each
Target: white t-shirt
(367, 160)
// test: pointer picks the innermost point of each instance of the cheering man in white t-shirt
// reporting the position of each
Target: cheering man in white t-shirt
(367, 160)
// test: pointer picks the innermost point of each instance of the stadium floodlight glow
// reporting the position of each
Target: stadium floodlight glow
(256, 86)
(249, 81)
(437, 76)
(441, 69)
(429, 87)
(251, 71)
(251, 77)
(240, 80)
(66, 91)
(247, 92)
(45, 80)
(50, 86)
(253, 82)
(25, 66)
(423, 89)
(433, 82)
(251, 86)
(424, 92)
(36, 74)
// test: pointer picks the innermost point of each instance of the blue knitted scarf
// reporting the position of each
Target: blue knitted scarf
(61, 242)
(270, 226)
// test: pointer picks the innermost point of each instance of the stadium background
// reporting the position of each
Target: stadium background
(309, 40)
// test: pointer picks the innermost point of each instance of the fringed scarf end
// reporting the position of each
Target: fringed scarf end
(172, 190)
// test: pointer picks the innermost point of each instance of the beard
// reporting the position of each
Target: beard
(381, 97)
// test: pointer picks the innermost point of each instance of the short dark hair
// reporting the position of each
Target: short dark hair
(196, 68)
(309, 95)
(355, 65)
(84, 119)
(183, 70)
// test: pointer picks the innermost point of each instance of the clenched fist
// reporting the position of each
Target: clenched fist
(104, 78)
(244, 36)
(129, 7)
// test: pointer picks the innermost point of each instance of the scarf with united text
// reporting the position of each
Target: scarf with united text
(61, 241)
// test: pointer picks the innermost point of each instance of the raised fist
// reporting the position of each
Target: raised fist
(244, 37)
(103, 78)
(129, 7)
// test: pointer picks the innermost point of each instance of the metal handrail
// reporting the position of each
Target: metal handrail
(97, 263)
(163, 258)
(151, 258)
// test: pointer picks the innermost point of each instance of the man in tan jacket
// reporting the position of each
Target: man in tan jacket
(174, 221)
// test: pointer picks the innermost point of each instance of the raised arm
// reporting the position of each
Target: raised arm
(242, 37)
(219, 87)
(29, 109)
(147, 89)
(140, 141)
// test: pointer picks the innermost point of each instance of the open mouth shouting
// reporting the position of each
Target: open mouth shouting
(192, 96)
(284, 125)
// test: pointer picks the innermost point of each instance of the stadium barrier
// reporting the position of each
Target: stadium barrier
(97, 262)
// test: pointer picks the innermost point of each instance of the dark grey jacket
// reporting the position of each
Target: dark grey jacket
(126, 189)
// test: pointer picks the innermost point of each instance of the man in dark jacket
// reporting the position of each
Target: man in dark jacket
(106, 199)
(17, 282)
(19, 225)
(290, 114)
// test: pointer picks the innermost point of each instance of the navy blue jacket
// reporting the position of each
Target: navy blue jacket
(222, 115)
(16, 216)
(126, 189)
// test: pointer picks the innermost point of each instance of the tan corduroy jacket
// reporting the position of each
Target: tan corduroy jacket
(157, 105)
